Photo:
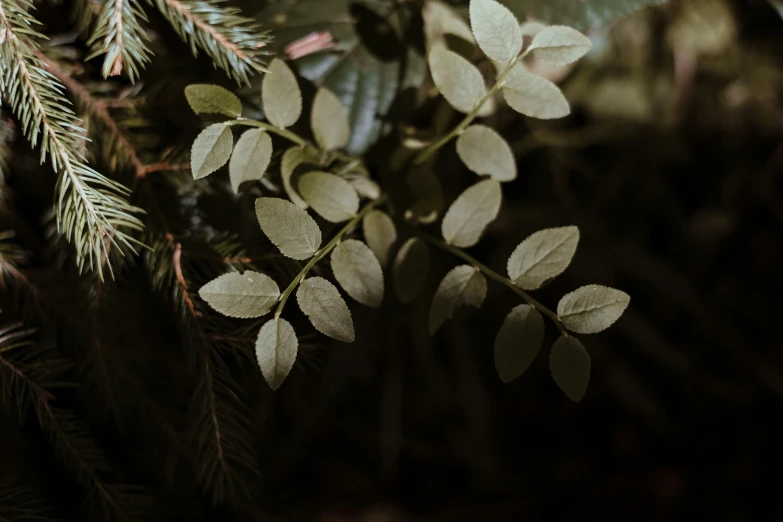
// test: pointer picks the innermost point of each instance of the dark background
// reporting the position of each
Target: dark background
(674, 179)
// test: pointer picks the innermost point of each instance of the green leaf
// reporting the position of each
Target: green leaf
(329, 195)
(357, 270)
(542, 256)
(462, 286)
(251, 157)
(560, 45)
(213, 99)
(380, 234)
(364, 187)
(369, 50)
(580, 14)
(592, 308)
(470, 214)
(440, 20)
(211, 150)
(569, 363)
(485, 152)
(459, 81)
(292, 158)
(410, 269)
(281, 95)
(247, 295)
(534, 96)
(518, 342)
(276, 349)
(322, 304)
(496, 30)
(329, 121)
(288, 227)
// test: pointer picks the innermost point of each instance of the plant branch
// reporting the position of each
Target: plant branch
(495, 276)
(271, 128)
(323, 252)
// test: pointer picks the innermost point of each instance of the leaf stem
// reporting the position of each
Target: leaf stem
(494, 275)
(270, 128)
(323, 252)
(426, 153)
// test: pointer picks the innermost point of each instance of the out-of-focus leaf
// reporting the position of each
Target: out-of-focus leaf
(579, 14)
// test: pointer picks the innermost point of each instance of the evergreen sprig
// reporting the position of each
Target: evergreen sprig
(119, 35)
(92, 211)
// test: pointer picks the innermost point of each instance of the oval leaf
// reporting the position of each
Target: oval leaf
(485, 152)
(329, 121)
(496, 30)
(357, 270)
(213, 99)
(462, 286)
(440, 20)
(211, 150)
(569, 363)
(322, 303)
(542, 256)
(251, 157)
(292, 158)
(534, 96)
(288, 227)
(592, 308)
(276, 349)
(470, 214)
(458, 80)
(329, 195)
(251, 294)
(281, 95)
(560, 45)
(380, 234)
(518, 342)
(410, 269)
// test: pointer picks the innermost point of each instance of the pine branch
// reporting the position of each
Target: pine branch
(92, 210)
(26, 376)
(224, 446)
(233, 42)
(18, 505)
(119, 35)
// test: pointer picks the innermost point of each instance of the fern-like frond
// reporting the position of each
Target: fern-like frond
(233, 42)
(92, 210)
(119, 35)
(26, 377)
(17, 504)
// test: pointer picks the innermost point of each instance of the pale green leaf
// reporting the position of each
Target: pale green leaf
(251, 157)
(276, 349)
(496, 30)
(211, 150)
(569, 363)
(534, 96)
(213, 99)
(292, 158)
(329, 121)
(329, 195)
(440, 20)
(470, 214)
(251, 294)
(410, 269)
(462, 286)
(581, 14)
(485, 152)
(518, 342)
(459, 81)
(560, 45)
(281, 95)
(358, 271)
(322, 303)
(592, 308)
(542, 256)
(380, 234)
(365, 187)
(288, 227)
